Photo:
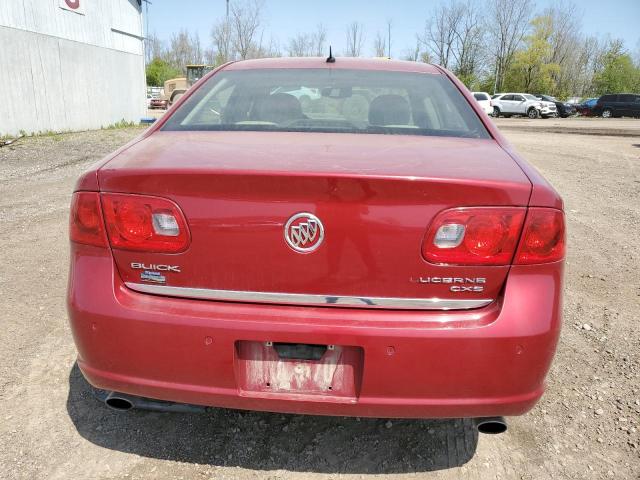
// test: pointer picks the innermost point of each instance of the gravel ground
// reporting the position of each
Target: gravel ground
(586, 426)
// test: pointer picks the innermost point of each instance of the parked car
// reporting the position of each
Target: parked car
(564, 109)
(484, 100)
(247, 252)
(585, 108)
(619, 105)
(508, 104)
(158, 103)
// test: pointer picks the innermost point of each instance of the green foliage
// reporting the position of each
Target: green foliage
(531, 70)
(619, 74)
(121, 124)
(159, 71)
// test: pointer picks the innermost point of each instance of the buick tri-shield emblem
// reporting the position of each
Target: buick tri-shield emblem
(304, 232)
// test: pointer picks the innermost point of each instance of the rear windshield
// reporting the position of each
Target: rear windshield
(481, 96)
(329, 100)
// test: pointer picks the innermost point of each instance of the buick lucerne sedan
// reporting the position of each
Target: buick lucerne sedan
(375, 248)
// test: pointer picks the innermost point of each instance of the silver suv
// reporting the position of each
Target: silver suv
(507, 104)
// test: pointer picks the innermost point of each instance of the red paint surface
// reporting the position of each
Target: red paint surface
(376, 195)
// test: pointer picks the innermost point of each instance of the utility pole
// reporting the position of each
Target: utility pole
(389, 33)
(227, 11)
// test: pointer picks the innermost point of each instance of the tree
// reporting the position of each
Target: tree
(454, 38)
(246, 19)
(184, 49)
(532, 69)
(618, 75)
(302, 45)
(159, 71)
(506, 29)
(318, 40)
(221, 36)
(355, 39)
(153, 48)
(470, 39)
(440, 32)
(380, 45)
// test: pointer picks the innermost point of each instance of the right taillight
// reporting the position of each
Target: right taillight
(543, 237)
(474, 236)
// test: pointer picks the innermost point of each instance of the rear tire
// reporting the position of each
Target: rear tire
(496, 112)
(607, 113)
(533, 113)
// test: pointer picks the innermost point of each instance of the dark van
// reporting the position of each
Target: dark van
(619, 105)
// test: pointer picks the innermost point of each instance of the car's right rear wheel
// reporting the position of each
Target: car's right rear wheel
(496, 112)
(607, 113)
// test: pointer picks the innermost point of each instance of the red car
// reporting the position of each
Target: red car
(158, 103)
(377, 249)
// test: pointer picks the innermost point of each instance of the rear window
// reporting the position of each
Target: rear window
(481, 96)
(329, 100)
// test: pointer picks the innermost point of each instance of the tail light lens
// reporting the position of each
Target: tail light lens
(474, 236)
(85, 221)
(543, 237)
(141, 223)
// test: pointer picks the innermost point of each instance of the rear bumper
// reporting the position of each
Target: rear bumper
(484, 362)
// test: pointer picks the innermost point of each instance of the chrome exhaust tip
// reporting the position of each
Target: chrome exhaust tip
(491, 425)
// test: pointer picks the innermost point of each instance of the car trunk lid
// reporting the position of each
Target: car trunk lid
(374, 195)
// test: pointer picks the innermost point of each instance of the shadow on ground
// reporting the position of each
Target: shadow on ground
(268, 441)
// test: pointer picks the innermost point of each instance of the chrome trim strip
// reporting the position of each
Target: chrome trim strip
(311, 300)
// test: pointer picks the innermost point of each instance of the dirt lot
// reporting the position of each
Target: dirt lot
(586, 426)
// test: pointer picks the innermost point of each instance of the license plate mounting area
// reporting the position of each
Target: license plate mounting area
(323, 372)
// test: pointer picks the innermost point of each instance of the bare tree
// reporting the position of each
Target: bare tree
(470, 39)
(416, 54)
(440, 33)
(245, 19)
(222, 38)
(264, 50)
(154, 48)
(184, 49)
(508, 26)
(355, 39)
(318, 39)
(302, 45)
(380, 45)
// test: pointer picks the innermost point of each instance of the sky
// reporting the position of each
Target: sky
(286, 18)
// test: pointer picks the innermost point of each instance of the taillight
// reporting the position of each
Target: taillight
(543, 237)
(141, 223)
(474, 236)
(85, 221)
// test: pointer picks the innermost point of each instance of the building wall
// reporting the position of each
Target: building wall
(60, 70)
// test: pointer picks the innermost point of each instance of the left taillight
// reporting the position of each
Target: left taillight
(144, 223)
(85, 220)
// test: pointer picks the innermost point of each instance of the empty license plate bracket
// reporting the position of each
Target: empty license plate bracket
(277, 368)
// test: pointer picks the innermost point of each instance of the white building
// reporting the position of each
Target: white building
(70, 64)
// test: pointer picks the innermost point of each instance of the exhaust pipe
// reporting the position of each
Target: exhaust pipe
(123, 402)
(118, 401)
(491, 425)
